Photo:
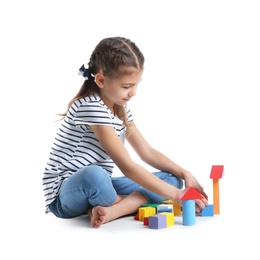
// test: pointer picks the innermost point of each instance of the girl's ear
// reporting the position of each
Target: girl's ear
(100, 79)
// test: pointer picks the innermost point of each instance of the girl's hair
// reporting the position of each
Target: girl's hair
(114, 57)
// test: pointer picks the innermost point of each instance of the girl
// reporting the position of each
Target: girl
(78, 177)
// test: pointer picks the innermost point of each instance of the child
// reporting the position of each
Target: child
(78, 177)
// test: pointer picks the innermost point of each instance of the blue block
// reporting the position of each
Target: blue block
(208, 211)
(188, 212)
(164, 210)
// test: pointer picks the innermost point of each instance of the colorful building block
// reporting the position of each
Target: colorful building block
(188, 212)
(146, 212)
(188, 197)
(208, 211)
(157, 221)
(136, 217)
(216, 173)
(164, 208)
(146, 221)
(176, 208)
(169, 218)
(153, 205)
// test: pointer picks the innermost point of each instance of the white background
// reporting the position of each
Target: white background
(198, 103)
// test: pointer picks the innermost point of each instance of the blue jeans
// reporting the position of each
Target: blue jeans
(91, 186)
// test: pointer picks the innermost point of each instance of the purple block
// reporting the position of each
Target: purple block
(157, 221)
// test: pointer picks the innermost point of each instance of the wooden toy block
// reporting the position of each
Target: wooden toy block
(176, 208)
(217, 171)
(146, 212)
(188, 197)
(157, 221)
(208, 211)
(188, 213)
(216, 201)
(136, 217)
(189, 193)
(169, 218)
(165, 208)
(153, 205)
(146, 221)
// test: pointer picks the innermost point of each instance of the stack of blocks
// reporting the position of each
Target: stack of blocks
(161, 215)
(157, 216)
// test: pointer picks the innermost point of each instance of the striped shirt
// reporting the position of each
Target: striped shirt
(76, 146)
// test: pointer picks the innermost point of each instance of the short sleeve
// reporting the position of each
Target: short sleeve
(92, 113)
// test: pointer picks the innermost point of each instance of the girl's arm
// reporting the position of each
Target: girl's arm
(158, 160)
(118, 153)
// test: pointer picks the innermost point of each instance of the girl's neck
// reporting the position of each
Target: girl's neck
(109, 104)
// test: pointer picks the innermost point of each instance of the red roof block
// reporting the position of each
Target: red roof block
(217, 171)
(189, 193)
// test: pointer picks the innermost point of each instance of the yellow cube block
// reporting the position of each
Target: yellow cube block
(169, 218)
(146, 212)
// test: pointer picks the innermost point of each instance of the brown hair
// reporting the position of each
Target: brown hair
(113, 57)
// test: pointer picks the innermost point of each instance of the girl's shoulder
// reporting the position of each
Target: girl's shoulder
(94, 98)
(91, 101)
(91, 104)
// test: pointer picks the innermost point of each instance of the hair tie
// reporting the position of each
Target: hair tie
(85, 72)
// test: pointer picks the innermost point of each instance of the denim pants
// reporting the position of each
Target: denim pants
(91, 186)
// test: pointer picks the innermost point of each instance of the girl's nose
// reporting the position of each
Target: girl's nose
(132, 91)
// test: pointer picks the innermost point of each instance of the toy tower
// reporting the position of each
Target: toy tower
(188, 197)
(217, 172)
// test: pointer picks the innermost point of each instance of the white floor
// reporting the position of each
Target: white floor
(29, 233)
(198, 102)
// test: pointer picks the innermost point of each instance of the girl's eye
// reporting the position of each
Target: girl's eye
(126, 87)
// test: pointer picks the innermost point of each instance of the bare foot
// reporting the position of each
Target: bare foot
(123, 205)
(99, 216)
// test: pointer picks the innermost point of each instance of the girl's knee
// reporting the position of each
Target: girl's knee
(171, 179)
(177, 182)
(94, 174)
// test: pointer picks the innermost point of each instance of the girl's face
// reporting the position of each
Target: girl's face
(118, 91)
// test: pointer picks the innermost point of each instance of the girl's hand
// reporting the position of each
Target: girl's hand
(200, 204)
(191, 181)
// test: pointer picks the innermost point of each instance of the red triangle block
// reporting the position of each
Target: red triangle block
(189, 193)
